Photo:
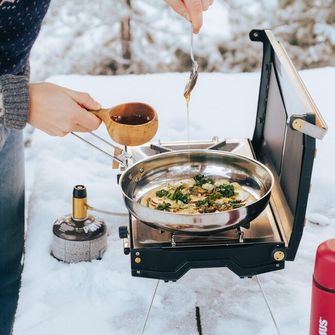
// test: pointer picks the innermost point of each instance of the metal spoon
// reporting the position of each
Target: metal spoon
(194, 72)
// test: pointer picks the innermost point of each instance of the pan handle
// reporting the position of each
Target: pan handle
(122, 159)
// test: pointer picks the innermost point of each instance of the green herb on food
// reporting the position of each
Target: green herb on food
(226, 190)
(200, 180)
(215, 196)
(162, 193)
(165, 206)
(179, 195)
(185, 198)
(205, 202)
(236, 203)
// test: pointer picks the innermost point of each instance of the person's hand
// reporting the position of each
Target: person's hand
(191, 10)
(57, 110)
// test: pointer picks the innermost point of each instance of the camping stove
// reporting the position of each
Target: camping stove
(287, 124)
(253, 248)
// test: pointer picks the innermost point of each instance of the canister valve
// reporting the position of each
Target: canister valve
(79, 203)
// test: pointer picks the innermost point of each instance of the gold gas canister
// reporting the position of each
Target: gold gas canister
(80, 236)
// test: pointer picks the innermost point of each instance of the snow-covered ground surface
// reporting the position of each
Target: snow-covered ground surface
(101, 297)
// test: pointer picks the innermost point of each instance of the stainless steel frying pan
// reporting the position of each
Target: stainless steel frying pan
(163, 168)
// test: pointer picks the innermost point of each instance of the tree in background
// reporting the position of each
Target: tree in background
(239, 53)
(305, 27)
(146, 36)
(125, 34)
(308, 27)
(116, 37)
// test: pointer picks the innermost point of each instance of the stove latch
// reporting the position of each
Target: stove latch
(299, 123)
(123, 234)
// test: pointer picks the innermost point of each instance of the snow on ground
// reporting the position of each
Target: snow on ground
(101, 297)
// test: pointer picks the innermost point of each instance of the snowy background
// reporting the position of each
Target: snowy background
(101, 297)
(111, 37)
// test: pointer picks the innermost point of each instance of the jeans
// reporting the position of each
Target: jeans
(11, 224)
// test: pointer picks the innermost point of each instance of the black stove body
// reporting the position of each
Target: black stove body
(287, 124)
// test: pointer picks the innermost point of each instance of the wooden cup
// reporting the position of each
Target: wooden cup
(130, 124)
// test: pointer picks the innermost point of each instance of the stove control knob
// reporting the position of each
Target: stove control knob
(279, 255)
(123, 232)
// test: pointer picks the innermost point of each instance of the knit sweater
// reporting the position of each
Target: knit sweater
(20, 23)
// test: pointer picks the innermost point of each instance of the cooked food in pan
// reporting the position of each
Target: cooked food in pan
(200, 194)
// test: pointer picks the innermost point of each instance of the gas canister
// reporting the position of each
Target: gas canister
(79, 237)
(323, 291)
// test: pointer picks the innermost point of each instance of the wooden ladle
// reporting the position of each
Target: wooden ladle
(130, 124)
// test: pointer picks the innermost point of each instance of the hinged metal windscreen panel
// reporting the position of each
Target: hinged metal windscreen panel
(287, 124)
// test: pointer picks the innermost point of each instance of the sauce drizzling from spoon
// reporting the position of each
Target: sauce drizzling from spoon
(190, 85)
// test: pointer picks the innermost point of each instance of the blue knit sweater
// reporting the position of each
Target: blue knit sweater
(20, 23)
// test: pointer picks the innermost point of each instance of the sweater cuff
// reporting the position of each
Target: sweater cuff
(15, 101)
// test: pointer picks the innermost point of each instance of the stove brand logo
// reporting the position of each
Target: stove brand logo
(323, 326)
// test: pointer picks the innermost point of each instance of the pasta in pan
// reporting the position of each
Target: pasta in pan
(200, 194)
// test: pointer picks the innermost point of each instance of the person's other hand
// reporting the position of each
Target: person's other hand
(57, 110)
(191, 10)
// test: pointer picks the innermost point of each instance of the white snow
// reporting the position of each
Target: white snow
(101, 297)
